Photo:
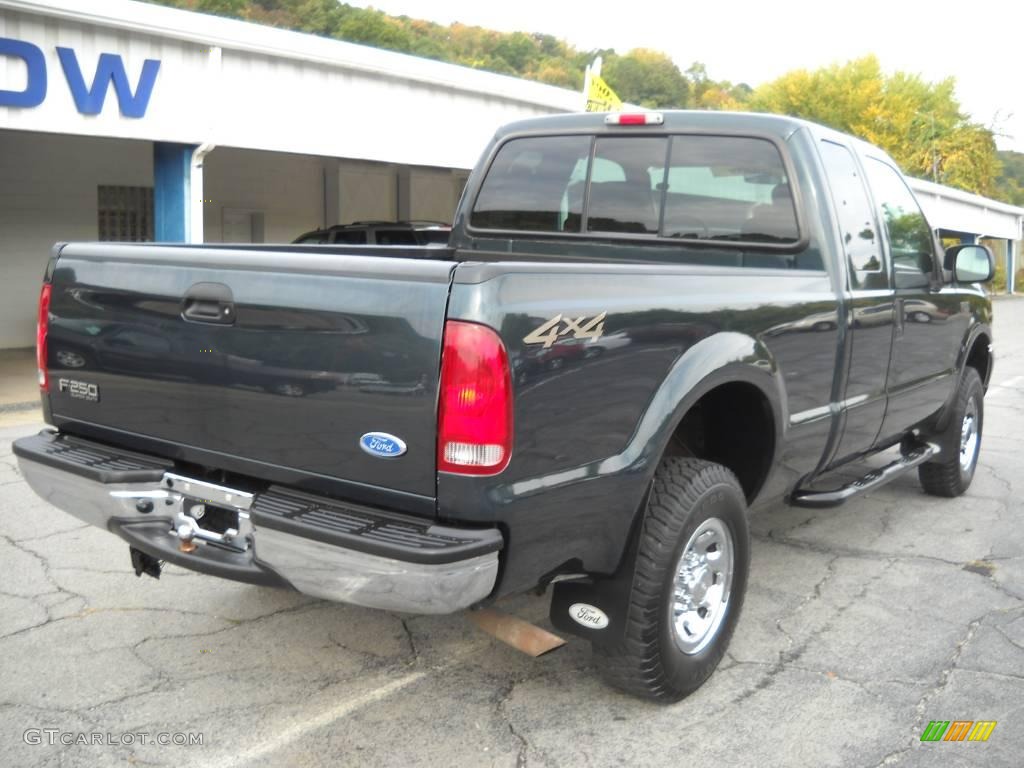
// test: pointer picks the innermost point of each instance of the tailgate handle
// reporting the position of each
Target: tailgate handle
(209, 303)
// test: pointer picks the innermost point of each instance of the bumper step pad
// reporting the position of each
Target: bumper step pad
(91, 460)
(368, 530)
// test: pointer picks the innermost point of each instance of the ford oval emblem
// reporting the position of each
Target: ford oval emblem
(382, 445)
(588, 615)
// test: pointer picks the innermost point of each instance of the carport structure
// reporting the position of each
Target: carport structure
(969, 218)
(130, 121)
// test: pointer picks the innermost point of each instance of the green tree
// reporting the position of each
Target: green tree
(222, 7)
(517, 48)
(321, 17)
(648, 78)
(358, 25)
(697, 74)
(1010, 181)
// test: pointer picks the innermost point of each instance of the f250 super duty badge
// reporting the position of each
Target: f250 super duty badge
(79, 390)
(581, 328)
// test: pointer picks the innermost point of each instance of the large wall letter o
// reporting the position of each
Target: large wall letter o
(35, 91)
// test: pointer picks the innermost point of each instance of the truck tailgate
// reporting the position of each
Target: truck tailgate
(287, 358)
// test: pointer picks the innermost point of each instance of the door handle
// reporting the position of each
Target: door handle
(208, 303)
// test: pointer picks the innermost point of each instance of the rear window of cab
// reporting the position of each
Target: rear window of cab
(711, 189)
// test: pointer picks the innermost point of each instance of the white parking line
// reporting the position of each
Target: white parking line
(293, 733)
(1004, 386)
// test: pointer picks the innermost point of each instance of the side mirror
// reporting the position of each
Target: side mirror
(970, 263)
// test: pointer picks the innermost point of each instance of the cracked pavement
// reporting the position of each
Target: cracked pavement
(861, 625)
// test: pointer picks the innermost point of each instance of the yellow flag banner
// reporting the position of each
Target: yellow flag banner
(600, 97)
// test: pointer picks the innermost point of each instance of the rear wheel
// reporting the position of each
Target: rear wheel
(690, 575)
(951, 473)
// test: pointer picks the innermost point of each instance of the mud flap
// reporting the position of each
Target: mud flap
(596, 608)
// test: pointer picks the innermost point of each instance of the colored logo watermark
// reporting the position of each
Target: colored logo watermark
(958, 730)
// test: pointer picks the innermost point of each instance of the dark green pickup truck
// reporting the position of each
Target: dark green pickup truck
(644, 326)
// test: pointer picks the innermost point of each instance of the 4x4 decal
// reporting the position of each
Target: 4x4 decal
(581, 328)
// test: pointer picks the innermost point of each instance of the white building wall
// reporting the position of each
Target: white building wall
(48, 194)
(433, 194)
(367, 191)
(287, 190)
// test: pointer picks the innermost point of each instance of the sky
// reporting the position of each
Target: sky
(980, 43)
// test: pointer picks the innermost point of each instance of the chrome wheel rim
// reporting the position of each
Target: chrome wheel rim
(969, 437)
(703, 579)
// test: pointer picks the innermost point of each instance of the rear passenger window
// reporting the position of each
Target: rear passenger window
(856, 220)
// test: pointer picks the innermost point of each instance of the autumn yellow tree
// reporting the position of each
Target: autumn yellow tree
(920, 124)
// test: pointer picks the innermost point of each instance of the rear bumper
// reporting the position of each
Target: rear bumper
(278, 537)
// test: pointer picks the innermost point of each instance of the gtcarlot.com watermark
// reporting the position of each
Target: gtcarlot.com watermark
(57, 737)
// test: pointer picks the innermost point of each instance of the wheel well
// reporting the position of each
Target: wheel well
(979, 357)
(731, 425)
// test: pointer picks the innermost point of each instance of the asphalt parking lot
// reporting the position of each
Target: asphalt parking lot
(862, 624)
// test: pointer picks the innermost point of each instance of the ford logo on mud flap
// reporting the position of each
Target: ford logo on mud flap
(382, 445)
(588, 615)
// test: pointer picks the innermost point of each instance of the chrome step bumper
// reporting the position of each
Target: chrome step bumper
(278, 537)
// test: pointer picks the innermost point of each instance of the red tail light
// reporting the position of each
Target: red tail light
(474, 417)
(42, 328)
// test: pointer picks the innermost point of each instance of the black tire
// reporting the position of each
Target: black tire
(687, 494)
(946, 475)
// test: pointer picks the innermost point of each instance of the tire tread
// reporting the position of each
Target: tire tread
(635, 665)
(942, 476)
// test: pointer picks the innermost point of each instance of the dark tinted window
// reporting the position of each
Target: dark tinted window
(433, 236)
(313, 237)
(350, 236)
(856, 220)
(910, 239)
(728, 188)
(527, 185)
(625, 185)
(395, 237)
(712, 188)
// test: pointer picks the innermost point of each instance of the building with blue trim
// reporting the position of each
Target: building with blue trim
(123, 120)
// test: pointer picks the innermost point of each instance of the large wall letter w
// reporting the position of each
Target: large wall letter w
(110, 68)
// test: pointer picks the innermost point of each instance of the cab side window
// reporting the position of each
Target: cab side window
(910, 238)
(856, 219)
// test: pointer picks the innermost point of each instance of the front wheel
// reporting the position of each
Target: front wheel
(689, 579)
(951, 472)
